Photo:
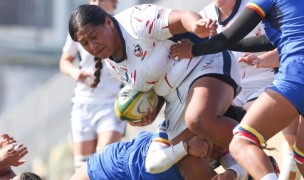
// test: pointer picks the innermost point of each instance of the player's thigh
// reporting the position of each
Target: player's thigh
(209, 95)
(300, 135)
(108, 137)
(109, 128)
(195, 168)
(270, 113)
(85, 148)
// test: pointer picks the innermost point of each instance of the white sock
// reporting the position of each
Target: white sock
(270, 176)
(289, 164)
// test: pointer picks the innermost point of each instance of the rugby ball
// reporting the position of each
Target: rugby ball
(130, 103)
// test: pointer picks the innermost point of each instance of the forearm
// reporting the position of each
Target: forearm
(160, 104)
(228, 39)
(160, 160)
(67, 67)
(6, 172)
(182, 21)
(188, 19)
(253, 44)
(269, 59)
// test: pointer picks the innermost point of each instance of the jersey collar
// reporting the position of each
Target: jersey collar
(116, 24)
(235, 10)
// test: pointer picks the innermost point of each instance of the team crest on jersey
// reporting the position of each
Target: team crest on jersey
(138, 51)
(207, 64)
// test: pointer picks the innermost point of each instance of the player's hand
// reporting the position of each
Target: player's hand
(252, 60)
(228, 174)
(217, 152)
(148, 118)
(6, 140)
(205, 27)
(197, 147)
(12, 154)
(181, 50)
(81, 76)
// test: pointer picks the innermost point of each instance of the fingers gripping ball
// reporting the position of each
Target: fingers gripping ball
(130, 103)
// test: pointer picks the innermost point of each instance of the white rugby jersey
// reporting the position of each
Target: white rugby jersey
(108, 87)
(247, 72)
(148, 64)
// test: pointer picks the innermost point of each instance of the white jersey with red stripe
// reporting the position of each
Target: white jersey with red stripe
(144, 30)
(148, 64)
(253, 79)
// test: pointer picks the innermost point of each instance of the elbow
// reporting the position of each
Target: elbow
(153, 168)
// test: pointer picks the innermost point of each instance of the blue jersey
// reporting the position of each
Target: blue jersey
(283, 22)
(126, 161)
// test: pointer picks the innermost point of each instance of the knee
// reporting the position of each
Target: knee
(235, 147)
(197, 122)
(298, 155)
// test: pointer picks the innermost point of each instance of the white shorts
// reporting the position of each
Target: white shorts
(90, 119)
(251, 90)
(212, 65)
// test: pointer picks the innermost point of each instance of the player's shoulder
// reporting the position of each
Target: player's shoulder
(209, 11)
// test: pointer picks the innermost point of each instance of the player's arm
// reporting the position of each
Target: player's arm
(223, 41)
(266, 60)
(67, 67)
(237, 31)
(67, 58)
(150, 116)
(161, 155)
(253, 44)
(187, 21)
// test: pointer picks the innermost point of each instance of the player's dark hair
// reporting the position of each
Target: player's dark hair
(86, 14)
(29, 176)
(83, 15)
(97, 72)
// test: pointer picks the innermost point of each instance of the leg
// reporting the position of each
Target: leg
(300, 145)
(110, 129)
(82, 151)
(81, 174)
(108, 137)
(193, 168)
(248, 104)
(268, 115)
(207, 101)
(289, 167)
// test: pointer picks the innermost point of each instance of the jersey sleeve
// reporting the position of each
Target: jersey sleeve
(261, 7)
(161, 155)
(70, 47)
(151, 21)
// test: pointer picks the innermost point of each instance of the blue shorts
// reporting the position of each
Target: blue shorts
(293, 91)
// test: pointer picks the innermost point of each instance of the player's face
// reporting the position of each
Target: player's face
(107, 5)
(97, 40)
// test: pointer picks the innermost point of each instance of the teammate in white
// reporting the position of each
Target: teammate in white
(253, 80)
(93, 119)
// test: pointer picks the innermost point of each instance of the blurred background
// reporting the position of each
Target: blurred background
(35, 98)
